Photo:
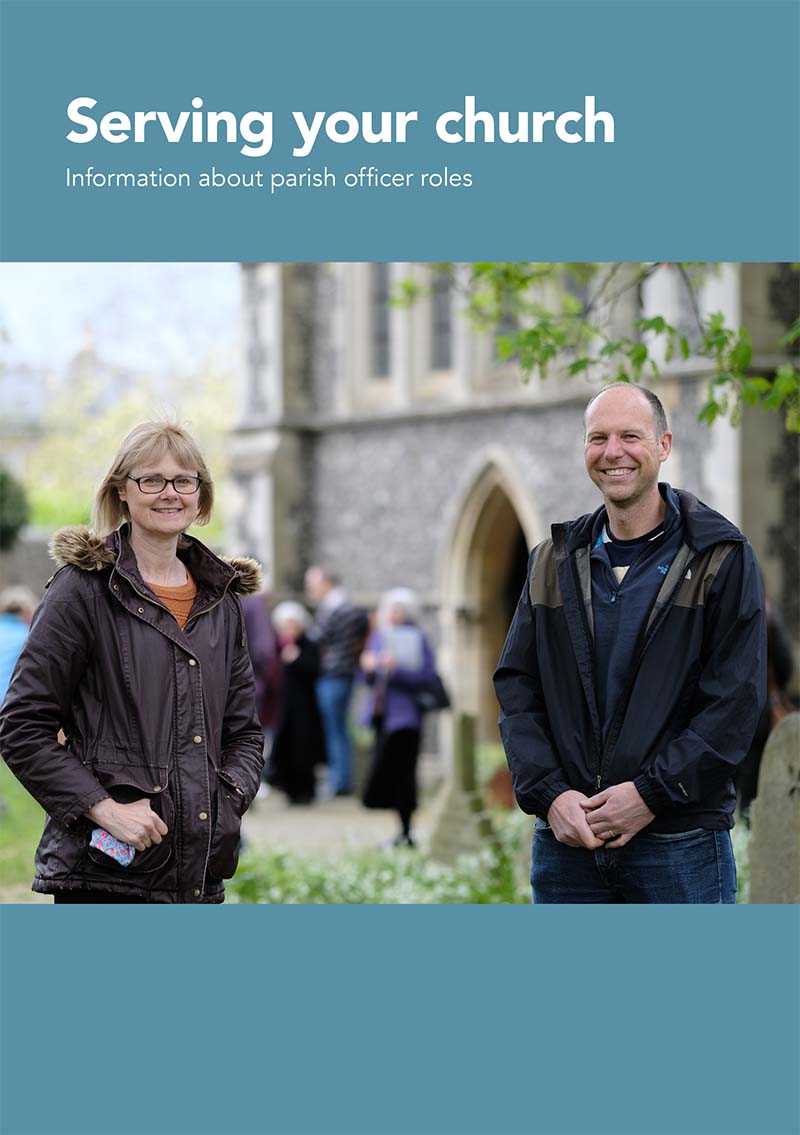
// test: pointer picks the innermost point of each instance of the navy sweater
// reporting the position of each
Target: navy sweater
(620, 609)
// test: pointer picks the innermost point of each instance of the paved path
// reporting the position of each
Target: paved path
(327, 826)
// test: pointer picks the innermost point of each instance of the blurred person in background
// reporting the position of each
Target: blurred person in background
(299, 743)
(397, 665)
(262, 644)
(138, 652)
(17, 605)
(339, 630)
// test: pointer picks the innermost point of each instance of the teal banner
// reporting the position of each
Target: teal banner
(400, 1021)
(400, 130)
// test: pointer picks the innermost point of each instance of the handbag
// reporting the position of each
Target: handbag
(433, 697)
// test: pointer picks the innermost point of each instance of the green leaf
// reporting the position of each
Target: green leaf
(750, 392)
(638, 356)
(506, 346)
(763, 385)
(742, 352)
(611, 348)
(792, 335)
(656, 324)
(579, 366)
(710, 412)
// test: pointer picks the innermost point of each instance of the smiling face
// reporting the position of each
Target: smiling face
(622, 447)
(160, 515)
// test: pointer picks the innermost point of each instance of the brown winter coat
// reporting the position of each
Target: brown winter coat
(148, 709)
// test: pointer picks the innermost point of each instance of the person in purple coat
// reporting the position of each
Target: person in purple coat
(397, 665)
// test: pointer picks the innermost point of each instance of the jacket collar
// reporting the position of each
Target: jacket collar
(79, 547)
(703, 527)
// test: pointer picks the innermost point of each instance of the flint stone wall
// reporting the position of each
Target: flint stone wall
(385, 496)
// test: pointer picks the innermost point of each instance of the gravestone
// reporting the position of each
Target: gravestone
(775, 836)
(460, 824)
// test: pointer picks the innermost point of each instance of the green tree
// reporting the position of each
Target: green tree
(565, 313)
(13, 510)
(84, 424)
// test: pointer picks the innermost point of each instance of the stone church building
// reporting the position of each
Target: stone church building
(391, 445)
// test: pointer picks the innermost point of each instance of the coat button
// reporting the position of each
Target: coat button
(203, 815)
(156, 788)
(198, 740)
(196, 892)
(192, 662)
(115, 587)
(141, 610)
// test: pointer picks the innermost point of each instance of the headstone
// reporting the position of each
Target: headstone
(775, 837)
(460, 824)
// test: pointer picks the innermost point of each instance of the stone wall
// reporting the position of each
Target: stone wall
(385, 496)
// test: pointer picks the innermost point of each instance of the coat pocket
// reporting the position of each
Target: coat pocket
(126, 785)
(224, 855)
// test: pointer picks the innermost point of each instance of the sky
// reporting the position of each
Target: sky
(148, 317)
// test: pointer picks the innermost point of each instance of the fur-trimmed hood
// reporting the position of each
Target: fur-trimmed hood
(77, 546)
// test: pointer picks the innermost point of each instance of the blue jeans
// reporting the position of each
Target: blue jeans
(333, 696)
(681, 867)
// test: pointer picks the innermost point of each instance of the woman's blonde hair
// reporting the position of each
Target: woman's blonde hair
(145, 443)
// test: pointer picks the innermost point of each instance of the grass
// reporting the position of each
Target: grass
(21, 823)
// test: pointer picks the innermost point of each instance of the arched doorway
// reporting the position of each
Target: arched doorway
(484, 575)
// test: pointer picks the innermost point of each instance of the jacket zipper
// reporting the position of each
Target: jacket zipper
(597, 736)
(622, 707)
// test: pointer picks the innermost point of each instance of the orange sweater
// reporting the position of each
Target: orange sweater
(177, 600)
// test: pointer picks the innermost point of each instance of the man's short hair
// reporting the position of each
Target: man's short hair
(659, 414)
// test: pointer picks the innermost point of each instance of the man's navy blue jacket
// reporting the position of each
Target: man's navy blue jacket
(694, 694)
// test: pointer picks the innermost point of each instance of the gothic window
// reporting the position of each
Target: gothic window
(508, 324)
(441, 322)
(379, 338)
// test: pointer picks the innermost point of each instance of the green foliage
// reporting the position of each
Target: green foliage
(394, 876)
(565, 312)
(21, 823)
(83, 427)
(14, 510)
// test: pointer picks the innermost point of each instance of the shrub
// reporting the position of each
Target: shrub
(13, 510)
(394, 876)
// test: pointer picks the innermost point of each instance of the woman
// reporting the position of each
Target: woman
(398, 665)
(299, 744)
(137, 652)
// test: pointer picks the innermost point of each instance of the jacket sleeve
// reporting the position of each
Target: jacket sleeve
(242, 735)
(524, 728)
(40, 697)
(729, 698)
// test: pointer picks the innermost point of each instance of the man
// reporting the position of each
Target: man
(632, 679)
(339, 630)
